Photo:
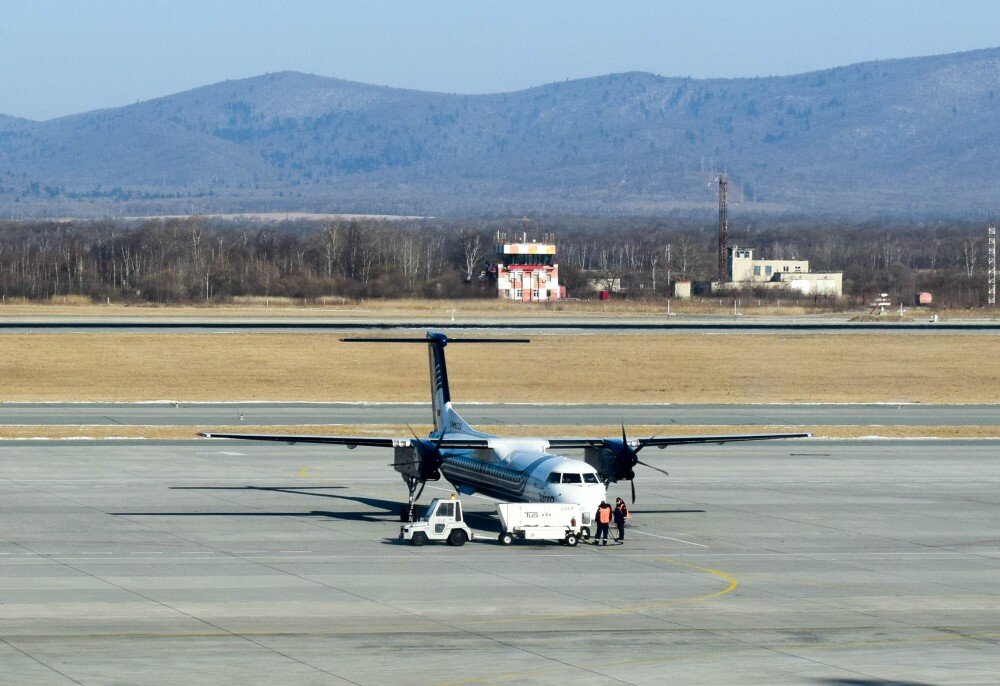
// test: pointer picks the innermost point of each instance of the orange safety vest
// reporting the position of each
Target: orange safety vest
(604, 515)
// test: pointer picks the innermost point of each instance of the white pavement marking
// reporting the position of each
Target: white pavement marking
(668, 538)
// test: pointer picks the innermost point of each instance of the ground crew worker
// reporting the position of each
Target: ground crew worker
(621, 514)
(603, 519)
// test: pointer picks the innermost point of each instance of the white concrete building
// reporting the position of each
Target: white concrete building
(744, 271)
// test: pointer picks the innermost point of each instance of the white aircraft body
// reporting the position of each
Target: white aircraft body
(509, 469)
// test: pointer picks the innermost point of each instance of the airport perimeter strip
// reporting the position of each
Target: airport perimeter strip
(215, 325)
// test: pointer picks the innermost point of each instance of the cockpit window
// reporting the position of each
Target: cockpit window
(554, 478)
(571, 478)
(590, 478)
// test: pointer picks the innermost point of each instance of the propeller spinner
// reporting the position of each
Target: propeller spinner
(623, 460)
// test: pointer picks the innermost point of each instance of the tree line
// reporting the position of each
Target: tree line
(197, 259)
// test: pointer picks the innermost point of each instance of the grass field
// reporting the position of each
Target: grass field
(401, 309)
(606, 368)
(260, 307)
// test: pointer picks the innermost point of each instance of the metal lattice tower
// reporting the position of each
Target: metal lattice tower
(991, 264)
(723, 225)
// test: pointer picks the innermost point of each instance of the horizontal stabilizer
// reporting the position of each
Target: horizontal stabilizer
(425, 341)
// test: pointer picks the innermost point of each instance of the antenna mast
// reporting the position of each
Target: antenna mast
(991, 259)
(723, 225)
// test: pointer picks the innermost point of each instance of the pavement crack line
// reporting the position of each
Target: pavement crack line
(851, 532)
(637, 610)
(35, 659)
(168, 606)
(412, 613)
(855, 566)
(306, 579)
(480, 634)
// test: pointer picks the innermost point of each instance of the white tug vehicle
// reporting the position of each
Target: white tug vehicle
(444, 521)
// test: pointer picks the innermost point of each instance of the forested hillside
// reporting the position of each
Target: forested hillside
(912, 137)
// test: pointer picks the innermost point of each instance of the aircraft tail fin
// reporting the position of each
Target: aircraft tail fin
(445, 418)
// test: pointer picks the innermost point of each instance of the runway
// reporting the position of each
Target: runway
(806, 562)
(542, 323)
(205, 414)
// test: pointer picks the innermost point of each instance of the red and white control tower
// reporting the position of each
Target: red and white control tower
(526, 270)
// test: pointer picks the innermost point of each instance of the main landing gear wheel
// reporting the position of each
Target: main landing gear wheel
(419, 538)
(456, 538)
(506, 539)
(571, 540)
(414, 487)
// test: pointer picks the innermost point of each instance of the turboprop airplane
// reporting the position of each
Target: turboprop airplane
(510, 469)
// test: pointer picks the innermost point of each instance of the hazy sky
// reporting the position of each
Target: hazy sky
(65, 56)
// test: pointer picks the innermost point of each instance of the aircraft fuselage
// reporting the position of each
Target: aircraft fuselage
(522, 471)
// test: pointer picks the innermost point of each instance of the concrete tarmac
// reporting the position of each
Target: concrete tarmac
(202, 414)
(216, 562)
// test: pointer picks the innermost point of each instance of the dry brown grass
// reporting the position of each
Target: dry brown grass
(437, 310)
(441, 310)
(640, 368)
(74, 306)
(188, 432)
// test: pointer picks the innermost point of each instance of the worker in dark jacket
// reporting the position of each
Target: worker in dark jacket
(603, 519)
(621, 514)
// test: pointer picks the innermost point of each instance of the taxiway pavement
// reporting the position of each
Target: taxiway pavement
(202, 414)
(800, 562)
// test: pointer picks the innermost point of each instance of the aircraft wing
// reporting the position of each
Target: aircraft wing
(354, 441)
(664, 441)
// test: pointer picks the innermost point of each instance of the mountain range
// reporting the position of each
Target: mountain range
(908, 137)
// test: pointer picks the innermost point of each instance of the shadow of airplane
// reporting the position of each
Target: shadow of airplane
(346, 515)
(281, 489)
(667, 511)
(870, 682)
(389, 508)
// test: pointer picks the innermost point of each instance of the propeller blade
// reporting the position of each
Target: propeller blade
(421, 444)
(632, 481)
(646, 464)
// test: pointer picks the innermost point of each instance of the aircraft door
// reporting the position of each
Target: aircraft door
(443, 516)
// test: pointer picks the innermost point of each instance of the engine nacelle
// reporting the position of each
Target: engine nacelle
(408, 461)
(611, 465)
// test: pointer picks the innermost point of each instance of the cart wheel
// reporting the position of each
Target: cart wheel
(456, 538)
(584, 533)
(571, 539)
(419, 538)
(506, 538)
